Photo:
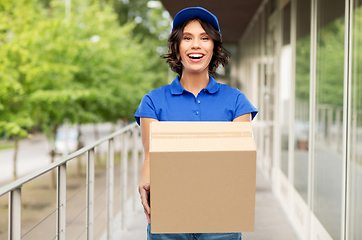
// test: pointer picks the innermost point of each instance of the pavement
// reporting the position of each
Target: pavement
(33, 152)
(271, 223)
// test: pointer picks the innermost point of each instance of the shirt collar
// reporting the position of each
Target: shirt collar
(213, 86)
(178, 89)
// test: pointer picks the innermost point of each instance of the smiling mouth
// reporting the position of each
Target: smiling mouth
(196, 56)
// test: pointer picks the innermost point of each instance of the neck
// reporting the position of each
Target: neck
(194, 82)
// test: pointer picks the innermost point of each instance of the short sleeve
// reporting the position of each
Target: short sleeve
(145, 109)
(244, 106)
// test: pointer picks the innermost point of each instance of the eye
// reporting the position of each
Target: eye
(187, 38)
(205, 38)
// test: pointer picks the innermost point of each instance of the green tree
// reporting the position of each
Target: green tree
(330, 57)
(302, 74)
(81, 69)
(153, 26)
(15, 119)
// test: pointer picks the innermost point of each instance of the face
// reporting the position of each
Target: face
(196, 48)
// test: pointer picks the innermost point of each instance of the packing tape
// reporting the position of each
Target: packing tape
(187, 135)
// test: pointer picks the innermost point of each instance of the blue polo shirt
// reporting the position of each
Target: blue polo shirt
(216, 102)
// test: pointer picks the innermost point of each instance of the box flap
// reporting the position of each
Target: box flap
(201, 136)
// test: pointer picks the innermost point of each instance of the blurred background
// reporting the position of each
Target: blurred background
(73, 71)
(64, 64)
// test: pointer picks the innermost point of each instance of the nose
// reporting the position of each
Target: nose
(195, 44)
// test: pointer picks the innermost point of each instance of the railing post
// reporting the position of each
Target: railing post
(135, 168)
(110, 190)
(15, 214)
(90, 195)
(61, 201)
(124, 183)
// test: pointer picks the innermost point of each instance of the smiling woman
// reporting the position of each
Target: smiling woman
(195, 51)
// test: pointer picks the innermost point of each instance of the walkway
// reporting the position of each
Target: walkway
(270, 221)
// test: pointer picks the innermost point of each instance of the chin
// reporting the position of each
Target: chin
(196, 70)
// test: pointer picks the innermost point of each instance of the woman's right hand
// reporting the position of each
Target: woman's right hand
(144, 191)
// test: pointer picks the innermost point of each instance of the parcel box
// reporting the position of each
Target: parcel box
(202, 177)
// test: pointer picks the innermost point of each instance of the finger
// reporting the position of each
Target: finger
(146, 186)
(147, 207)
(148, 216)
(145, 197)
(145, 203)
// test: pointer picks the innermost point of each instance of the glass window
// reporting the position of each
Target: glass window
(273, 5)
(285, 76)
(286, 24)
(266, 27)
(355, 177)
(328, 158)
(302, 82)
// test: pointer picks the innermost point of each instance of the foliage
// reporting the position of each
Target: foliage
(152, 27)
(14, 109)
(330, 68)
(81, 68)
(302, 70)
(6, 146)
(330, 61)
(356, 83)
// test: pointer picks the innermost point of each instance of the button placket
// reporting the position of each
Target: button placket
(197, 101)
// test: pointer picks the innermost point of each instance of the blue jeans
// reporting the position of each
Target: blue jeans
(192, 236)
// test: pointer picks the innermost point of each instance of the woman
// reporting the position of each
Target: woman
(195, 51)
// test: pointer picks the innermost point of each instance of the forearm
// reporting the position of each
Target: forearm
(145, 133)
(145, 173)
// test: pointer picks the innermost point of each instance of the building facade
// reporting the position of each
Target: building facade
(300, 63)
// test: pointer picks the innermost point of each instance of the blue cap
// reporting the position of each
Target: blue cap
(193, 12)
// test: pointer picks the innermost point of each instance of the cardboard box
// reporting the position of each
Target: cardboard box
(202, 177)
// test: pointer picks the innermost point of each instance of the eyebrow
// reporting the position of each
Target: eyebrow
(187, 33)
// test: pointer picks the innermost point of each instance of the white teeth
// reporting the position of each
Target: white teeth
(196, 55)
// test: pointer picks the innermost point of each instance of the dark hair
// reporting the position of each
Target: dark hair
(220, 55)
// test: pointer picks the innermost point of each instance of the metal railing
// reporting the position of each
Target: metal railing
(130, 132)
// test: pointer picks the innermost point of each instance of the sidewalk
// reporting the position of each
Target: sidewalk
(270, 220)
(271, 223)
